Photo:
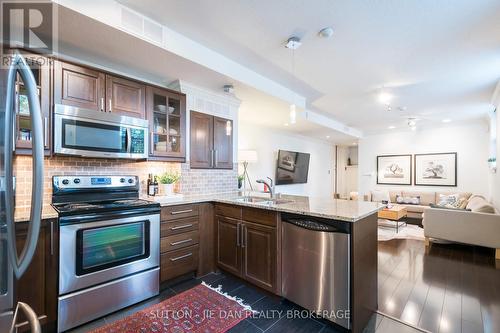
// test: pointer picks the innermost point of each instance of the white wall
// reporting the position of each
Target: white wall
(470, 141)
(267, 142)
(495, 178)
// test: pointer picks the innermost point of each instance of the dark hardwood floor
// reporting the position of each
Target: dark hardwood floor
(261, 301)
(452, 288)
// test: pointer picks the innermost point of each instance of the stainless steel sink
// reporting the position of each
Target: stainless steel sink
(252, 199)
(264, 201)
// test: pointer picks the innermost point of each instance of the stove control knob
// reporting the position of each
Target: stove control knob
(76, 180)
(65, 182)
(122, 180)
(130, 180)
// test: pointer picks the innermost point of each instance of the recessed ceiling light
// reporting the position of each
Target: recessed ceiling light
(326, 32)
(391, 127)
(385, 97)
(285, 124)
(328, 137)
(293, 43)
(447, 120)
(354, 143)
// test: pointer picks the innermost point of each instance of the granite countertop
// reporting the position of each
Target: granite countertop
(22, 214)
(325, 207)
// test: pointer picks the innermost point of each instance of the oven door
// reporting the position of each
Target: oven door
(93, 134)
(97, 252)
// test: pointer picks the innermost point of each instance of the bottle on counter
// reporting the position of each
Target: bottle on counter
(155, 185)
(151, 187)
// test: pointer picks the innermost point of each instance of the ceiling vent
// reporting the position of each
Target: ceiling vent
(140, 25)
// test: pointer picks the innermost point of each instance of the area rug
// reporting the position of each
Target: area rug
(199, 310)
(408, 231)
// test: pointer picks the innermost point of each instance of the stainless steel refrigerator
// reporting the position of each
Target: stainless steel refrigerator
(14, 264)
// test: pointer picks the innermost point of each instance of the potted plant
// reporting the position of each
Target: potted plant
(167, 181)
(241, 178)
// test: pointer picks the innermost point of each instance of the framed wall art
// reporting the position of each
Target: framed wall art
(394, 169)
(438, 169)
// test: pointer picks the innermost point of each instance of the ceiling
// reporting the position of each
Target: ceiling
(439, 59)
(117, 51)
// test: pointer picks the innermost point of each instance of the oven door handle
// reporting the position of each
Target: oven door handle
(21, 262)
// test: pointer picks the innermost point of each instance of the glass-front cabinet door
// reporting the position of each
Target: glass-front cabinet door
(40, 67)
(167, 123)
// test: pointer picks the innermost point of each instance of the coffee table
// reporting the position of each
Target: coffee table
(396, 213)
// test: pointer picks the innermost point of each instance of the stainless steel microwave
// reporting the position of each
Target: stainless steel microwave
(89, 133)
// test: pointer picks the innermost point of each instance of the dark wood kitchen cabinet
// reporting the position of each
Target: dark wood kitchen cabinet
(211, 142)
(38, 286)
(259, 255)
(79, 86)
(94, 90)
(125, 97)
(246, 244)
(41, 68)
(228, 245)
(166, 112)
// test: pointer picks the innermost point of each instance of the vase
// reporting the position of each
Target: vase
(168, 189)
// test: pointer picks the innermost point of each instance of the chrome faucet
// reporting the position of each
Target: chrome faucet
(269, 184)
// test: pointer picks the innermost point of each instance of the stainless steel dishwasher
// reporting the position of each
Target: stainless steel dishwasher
(316, 267)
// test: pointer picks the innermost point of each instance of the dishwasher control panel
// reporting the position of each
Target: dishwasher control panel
(316, 224)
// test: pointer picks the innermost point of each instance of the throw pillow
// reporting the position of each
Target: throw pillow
(408, 200)
(379, 196)
(449, 201)
(450, 208)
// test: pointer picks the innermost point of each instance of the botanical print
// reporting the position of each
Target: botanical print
(394, 169)
(436, 169)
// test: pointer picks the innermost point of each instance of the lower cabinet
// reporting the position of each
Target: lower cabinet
(178, 262)
(259, 255)
(248, 250)
(38, 286)
(228, 245)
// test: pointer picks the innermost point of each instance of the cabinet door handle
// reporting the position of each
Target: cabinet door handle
(181, 242)
(181, 212)
(238, 234)
(102, 104)
(216, 157)
(181, 257)
(243, 236)
(45, 131)
(181, 227)
(211, 158)
(110, 108)
(51, 238)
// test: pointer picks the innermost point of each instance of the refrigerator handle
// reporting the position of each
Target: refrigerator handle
(21, 262)
(30, 316)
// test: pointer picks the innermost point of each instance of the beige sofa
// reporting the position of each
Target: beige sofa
(479, 225)
(414, 211)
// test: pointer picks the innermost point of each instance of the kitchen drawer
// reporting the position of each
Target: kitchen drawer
(178, 262)
(178, 212)
(261, 216)
(168, 228)
(228, 211)
(179, 241)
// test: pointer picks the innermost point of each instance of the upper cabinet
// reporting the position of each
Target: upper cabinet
(40, 67)
(125, 97)
(93, 90)
(166, 111)
(79, 86)
(211, 142)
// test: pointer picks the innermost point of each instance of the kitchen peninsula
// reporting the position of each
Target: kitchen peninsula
(254, 237)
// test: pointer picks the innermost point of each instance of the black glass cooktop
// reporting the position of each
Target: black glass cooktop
(74, 208)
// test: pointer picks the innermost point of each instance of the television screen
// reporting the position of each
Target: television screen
(292, 167)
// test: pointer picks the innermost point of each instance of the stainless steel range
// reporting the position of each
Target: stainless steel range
(109, 246)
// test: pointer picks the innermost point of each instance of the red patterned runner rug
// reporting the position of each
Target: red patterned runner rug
(201, 309)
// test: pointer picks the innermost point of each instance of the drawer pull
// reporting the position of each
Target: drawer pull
(181, 242)
(181, 212)
(181, 227)
(181, 257)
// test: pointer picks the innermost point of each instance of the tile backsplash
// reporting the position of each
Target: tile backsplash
(192, 181)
